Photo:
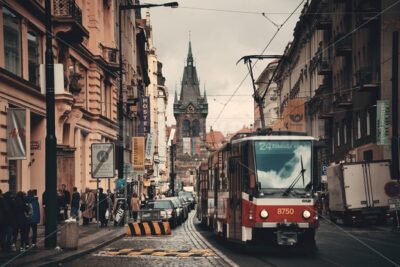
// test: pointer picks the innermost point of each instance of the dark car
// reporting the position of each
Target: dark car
(168, 210)
(183, 208)
(189, 197)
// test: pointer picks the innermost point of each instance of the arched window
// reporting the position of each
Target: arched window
(186, 128)
(195, 128)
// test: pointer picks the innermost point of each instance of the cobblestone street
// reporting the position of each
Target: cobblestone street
(185, 247)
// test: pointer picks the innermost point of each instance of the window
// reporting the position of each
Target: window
(368, 123)
(358, 126)
(33, 57)
(186, 128)
(338, 135)
(12, 42)
(344, 133)
(196, 128)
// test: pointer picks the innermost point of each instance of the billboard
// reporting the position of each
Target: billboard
(16, 133)
(144, 115)
(138, 153)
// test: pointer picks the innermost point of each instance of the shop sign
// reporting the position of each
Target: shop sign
(144, 124)
(16, 133)
(382, 122)
(138, 153)
(35, 145)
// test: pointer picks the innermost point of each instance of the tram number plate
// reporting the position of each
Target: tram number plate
(285, 211)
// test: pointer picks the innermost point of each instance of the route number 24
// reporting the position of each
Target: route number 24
(285, 211)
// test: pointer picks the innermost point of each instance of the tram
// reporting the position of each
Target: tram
(260, 188)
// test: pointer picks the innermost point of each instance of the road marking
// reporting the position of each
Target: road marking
(184, 253)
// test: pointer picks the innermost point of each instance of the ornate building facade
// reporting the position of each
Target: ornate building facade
(190, 112)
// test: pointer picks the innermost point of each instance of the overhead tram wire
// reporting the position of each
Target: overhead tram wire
(255, 62)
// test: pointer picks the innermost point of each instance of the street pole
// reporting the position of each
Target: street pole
(395, 107)
(257, 97)
(51, 141)
(172, 173)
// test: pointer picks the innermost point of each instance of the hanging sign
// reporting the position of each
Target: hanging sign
(138, 153)
(16, 133)
(382, 122)
(103, 164)
(144, 124)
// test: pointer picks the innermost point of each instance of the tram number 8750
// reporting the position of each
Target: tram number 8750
(285, 211)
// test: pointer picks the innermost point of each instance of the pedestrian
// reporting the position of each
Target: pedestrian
(44, 199)
(89, 201)
(75, 203)
(135, 205)
(110, 200)
(103, 207)
(61, 202)
(2, 218)
(143, 201)
(67, 197)
(34, 221)
(23, 214)
(8, 221)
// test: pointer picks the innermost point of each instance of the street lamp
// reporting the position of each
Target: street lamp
(259, 99)
(120, 97)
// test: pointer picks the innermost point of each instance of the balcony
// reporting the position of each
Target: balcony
(343, 44)
(343, 100)
(67, 21)
(323, 66)
(110, 56)
(324, 22)
(366, 12)
(364, 79)
(326, 108)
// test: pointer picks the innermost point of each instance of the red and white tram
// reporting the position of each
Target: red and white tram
(260, 188)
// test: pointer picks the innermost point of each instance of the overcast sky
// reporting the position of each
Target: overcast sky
(219, 40)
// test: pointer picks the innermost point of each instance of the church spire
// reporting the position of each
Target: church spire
(190, 55)
(176, 96)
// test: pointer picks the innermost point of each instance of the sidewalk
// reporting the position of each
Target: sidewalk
(90, 238)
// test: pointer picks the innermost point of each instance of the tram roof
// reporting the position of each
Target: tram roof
(274, 137)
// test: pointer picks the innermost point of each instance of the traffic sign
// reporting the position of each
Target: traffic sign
(103, 163)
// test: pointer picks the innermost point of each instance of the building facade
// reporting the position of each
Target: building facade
(190, 112)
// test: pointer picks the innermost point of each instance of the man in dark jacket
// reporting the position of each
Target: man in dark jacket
(8, 221)
(67, 197)
(103, 206)
(76, 197)
(34, 221)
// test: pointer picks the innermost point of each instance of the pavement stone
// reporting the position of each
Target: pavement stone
(90, 238)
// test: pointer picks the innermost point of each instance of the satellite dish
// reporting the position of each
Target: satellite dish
(392, 189)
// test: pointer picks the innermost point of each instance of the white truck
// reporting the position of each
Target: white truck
(356, 191)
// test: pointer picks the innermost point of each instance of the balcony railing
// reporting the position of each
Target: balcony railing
(364, 79)
(366, 12)
(343, 44)
(323, 66)
(67, 8)
(343, 100)
(324, 22)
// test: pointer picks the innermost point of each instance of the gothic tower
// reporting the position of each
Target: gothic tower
(190, 112)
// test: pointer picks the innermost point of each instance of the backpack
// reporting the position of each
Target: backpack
(29, 211)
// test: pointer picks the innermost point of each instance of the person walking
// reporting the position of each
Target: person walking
(67, 197)
(23, 214)
(135, 205)
(110, 200)
(103, 207)
(61, 205)
(8, 222)
(76, 198)
(89, 201)
(34, 221)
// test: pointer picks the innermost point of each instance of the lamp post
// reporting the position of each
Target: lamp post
(51, 141)
(120, 96)
(259, 99)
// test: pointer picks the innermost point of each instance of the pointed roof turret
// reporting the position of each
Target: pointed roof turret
(176, 97)
(189, 59)
(205, 95)
(190, 90)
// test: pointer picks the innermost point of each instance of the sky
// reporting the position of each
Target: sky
(221, 32)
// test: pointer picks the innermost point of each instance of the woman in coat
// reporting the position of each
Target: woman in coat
(135, 205)
(89, 201)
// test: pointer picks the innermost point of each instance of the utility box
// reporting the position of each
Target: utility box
(357, 191)
(69, 235)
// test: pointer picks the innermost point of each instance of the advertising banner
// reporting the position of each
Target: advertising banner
(382, 122)
(150, 147)
(144, 115)
(16, 133)
(138, 153)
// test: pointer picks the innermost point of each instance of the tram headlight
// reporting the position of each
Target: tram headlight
(264, 214)
(306, 214)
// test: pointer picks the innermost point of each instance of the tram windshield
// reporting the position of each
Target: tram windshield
(280, 162)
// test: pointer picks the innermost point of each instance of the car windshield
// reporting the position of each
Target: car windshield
(280, 162)
(163, 204)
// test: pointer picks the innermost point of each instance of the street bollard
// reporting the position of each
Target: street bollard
(69, 235)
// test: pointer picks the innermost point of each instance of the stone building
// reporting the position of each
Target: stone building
(339, 64)
(190, 112)
(85, 46)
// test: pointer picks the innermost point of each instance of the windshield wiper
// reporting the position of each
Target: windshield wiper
(301, 174)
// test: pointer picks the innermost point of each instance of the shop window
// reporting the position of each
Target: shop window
(12, 42)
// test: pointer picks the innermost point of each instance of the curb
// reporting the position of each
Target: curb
(76, 255)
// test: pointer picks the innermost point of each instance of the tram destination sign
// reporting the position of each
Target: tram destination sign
(103, 163)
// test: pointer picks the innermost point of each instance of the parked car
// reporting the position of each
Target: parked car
(168, 210)
(189, 197)
(183, 208)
